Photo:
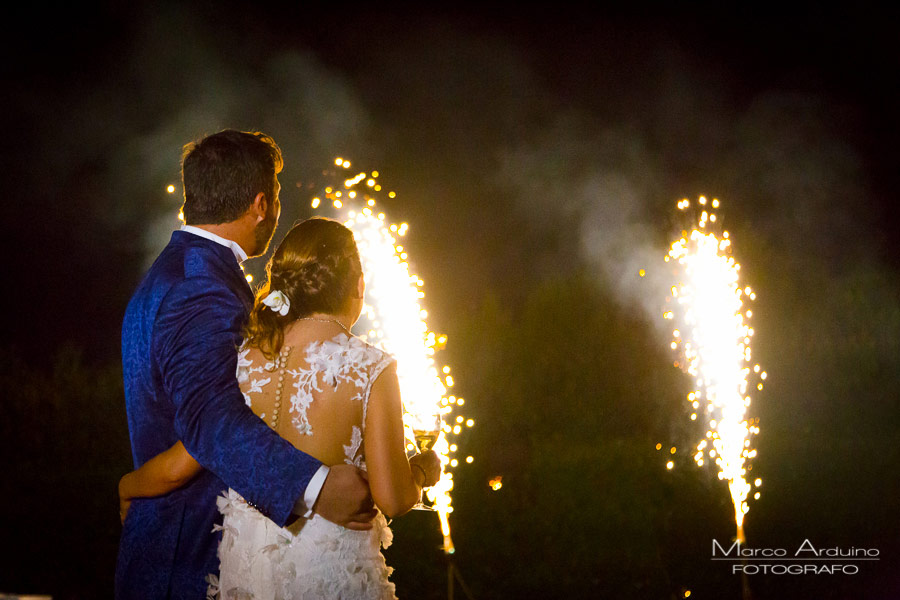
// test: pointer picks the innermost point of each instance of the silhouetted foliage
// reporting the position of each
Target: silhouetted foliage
(64, 440)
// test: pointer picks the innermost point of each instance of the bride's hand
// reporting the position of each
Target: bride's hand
(124, 505)
(124, 502)
(430, 465)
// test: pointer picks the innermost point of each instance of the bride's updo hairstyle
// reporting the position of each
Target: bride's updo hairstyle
(316, 267)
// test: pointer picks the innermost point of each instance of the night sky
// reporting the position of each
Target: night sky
(508, 118)
(523, 143)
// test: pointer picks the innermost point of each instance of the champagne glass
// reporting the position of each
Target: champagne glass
(426, 432)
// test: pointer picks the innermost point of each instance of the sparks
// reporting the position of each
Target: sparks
(396, 322)
(714, 339)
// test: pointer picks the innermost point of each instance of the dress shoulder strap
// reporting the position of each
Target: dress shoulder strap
(375, 371)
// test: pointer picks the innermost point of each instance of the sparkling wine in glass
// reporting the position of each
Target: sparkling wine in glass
(426, 433)
(425, 438)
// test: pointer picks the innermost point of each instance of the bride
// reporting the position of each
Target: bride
(332, 396)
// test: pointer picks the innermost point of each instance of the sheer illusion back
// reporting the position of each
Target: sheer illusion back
(314, 394)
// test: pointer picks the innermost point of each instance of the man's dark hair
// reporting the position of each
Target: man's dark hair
(222, 174)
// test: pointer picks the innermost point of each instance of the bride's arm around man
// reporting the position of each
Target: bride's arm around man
(179, 351)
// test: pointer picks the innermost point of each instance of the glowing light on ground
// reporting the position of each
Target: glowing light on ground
(713, 337)
(397, 323)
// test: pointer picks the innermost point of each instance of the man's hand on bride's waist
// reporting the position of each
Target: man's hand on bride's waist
(345, 498)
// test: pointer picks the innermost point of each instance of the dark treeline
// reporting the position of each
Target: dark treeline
(571, 392)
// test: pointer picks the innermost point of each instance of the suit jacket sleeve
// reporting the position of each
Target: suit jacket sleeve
(195, 339)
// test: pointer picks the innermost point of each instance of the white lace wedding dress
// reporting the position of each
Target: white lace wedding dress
(326, 392)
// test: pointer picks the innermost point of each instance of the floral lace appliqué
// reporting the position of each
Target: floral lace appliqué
(343, 359)
(245, 371)
(352, 450)
(321, 561)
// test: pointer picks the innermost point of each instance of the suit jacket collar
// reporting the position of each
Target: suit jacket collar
(218, 261)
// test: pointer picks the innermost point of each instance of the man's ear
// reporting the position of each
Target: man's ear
(361, 287)
(259, 207)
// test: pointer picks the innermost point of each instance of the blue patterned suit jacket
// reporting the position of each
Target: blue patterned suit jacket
(179, 341)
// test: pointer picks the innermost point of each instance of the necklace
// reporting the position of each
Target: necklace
(344, 327)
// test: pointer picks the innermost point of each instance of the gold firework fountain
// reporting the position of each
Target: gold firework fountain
(712, 332)
(397, 323)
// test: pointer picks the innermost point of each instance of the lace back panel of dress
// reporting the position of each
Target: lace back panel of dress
(344, 365)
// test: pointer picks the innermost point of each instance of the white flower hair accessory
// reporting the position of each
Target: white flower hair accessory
(277, 302)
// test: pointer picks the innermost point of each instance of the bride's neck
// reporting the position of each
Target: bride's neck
(324, 320)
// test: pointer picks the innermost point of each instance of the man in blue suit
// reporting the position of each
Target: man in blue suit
(179, 352)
